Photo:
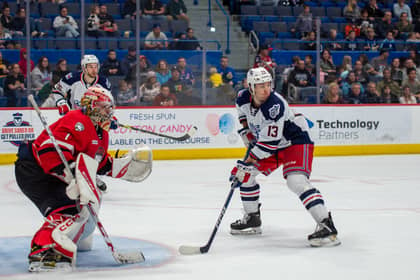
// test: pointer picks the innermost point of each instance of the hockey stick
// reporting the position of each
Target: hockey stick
(193, 250)
(121, 258)
(184, 137)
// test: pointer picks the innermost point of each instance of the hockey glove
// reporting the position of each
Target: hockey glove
(63, 107)
(242, 172)
(247, 137)
(114, 123)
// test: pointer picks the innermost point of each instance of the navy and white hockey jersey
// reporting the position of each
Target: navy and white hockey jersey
(273, 124)
(72, 87)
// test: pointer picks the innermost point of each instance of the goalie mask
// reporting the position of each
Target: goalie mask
(98, 104)
(258, 75)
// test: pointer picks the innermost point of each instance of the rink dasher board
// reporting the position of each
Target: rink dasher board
(336, 130)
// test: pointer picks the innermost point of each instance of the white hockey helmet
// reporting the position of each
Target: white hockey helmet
(87, 59)
(98, 104)
(258, 75)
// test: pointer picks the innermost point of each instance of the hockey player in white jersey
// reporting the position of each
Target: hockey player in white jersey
(69, 90)
(276, 137)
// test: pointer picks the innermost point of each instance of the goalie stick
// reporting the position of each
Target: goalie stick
(184, 137)
(193, 250)
(121, 258)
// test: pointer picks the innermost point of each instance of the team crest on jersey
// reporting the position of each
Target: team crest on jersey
(79, 127)
(274, 111)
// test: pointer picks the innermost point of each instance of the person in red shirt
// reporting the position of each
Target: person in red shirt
(42, 177)
(263, 59)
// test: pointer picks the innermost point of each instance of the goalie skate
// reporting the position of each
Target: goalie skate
(48, 261)
(250, 224)
(325, 234)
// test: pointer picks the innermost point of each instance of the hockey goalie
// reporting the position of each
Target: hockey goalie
(62, 198)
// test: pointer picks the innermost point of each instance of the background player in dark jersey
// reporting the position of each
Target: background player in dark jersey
(42, 177)
(275, 137)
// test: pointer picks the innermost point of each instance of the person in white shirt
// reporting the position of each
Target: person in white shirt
(65, 25)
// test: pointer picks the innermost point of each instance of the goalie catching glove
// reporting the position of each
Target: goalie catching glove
(135, 166)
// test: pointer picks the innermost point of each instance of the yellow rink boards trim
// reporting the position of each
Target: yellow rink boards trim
(239, 152)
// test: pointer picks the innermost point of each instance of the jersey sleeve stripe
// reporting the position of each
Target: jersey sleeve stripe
(68, 146)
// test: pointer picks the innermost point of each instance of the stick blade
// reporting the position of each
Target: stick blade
(189, 250)
(129, 257)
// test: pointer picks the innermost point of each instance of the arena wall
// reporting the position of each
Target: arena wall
(342, 130)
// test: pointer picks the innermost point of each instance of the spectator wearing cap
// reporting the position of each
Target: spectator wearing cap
(176, 10)
(186, 73)
(65, 25)
(165, 97)
(263, 59)
(144, 67)
(111, 65)
(106, 22)
(128, 61)
(154, 9)
(149, 89)
(400, 7)
(175, 84)
(156, 40)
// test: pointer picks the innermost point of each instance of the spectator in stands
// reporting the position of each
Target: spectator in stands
(299, 76)
(367, 67)
(187, 97)
(374, 11)
(106, 22)
(386, 96)
(175, 84)
(93, 22)
(176, 10)
(396, 71)
(309, 65)
(154, 9)
(355, 95)
(5, 39)
(380, 62)
(6, 19)
(384, 25)
(60, 69)
(111, 65)
(400, 7)
(373, 95)
(364, 23)
(348, 82)
(14, 86)
(333, 95)
(155, 39)
(65, 25)
(263, 59)
(41, 74)
(409, 64)
(129, 60)
(165, 97)
(347, 63)
(310, 39)
(389, 43)
(163, 73)
(351, 26)
(129, 9)
(333, 45)
(4, 66)
(188, 42)
(407, 96)
(23, 64)
(149, 89)
(371, 44)
(361, 76)
(351, 10)
(19, 21)
(414, 55)
(228, 73)
(351, 42)
(412, 81)
(304, 23)
(404, 27)
(126, 95)
(144, 67)
(327, 64)
(186, 73)
(387, 81)
(215, 79)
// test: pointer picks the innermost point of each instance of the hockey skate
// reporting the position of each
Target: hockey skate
(250, 224)
(325, 234)
(48, 260)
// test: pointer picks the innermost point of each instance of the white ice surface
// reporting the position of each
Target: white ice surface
(375, 202)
